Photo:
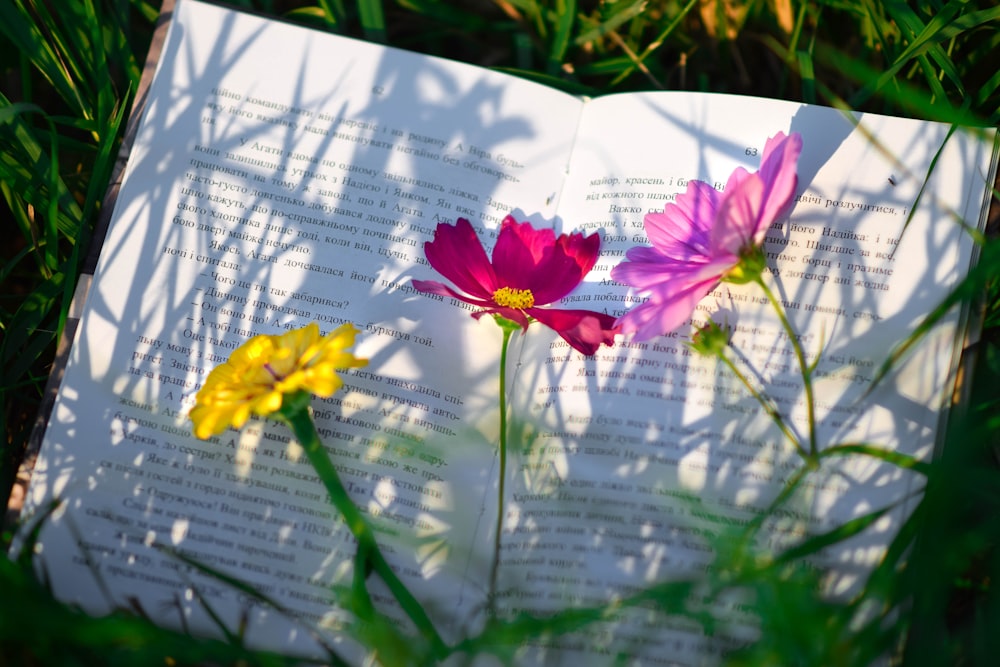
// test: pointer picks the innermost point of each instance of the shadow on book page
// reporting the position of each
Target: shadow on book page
(281, 176)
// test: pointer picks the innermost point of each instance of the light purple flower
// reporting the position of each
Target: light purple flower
(706, 236)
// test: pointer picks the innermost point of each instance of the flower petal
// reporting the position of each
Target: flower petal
(518, 251)
(752, 203)
(682, 230)
(535, 259)
(261, 372)
(778, 169)
(457, 254)
(584, 330)
(566, 266)
(646, 269)
(739, 217)
(434, 287)
(512, 314)
(664, 312)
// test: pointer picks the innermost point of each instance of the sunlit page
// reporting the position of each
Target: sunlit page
(283, 176)
(639, 464)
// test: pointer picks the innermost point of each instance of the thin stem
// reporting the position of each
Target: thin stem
(878, 452)
(803, 366)
(362, 601)
(302, 426)
(507, 331)
(767, 405)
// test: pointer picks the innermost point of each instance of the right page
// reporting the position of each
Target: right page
(638, 465)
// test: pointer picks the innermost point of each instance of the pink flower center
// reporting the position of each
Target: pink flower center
(506, 297)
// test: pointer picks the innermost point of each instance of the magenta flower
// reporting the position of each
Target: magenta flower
(530, 268)
(706, 236)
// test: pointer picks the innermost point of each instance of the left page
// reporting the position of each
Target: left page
(281, 176)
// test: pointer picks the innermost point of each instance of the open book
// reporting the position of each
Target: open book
(281, 176)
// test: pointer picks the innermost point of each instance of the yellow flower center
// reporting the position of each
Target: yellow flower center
(514, 298)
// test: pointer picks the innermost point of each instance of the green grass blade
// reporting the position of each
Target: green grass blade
(372, 20)
(44, 43)
(970, 286)
(619, 17)
(807, 74)
(876, 452)
(844, 531)
(566, 13)
(667, 31)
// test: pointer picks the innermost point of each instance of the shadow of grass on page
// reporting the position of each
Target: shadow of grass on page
(67, 86)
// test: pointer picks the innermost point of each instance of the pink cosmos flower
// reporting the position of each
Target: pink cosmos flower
(530, 268)
(706, 236)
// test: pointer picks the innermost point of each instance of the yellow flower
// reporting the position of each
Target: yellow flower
(265, 369)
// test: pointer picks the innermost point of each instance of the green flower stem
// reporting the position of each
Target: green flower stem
(362, 602)
(296, 414)
(508, 328)
(800, 355)
(769, 407)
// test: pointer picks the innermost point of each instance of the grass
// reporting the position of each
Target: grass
(70, 70)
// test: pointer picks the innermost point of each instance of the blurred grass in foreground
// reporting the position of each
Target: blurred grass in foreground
(70, 70)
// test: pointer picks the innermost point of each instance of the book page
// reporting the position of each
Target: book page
(637, 464)
(282, 176)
